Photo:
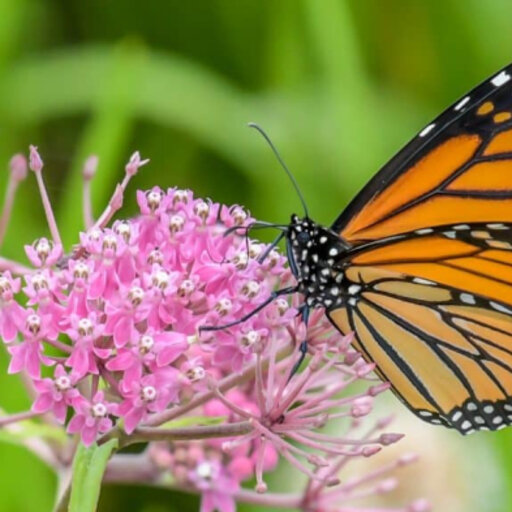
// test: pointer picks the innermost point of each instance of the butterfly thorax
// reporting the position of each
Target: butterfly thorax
(316, 259)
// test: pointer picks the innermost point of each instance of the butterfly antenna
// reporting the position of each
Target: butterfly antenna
(283, 165)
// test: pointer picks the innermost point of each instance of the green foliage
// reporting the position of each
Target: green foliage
(338, 84)
(88, 467)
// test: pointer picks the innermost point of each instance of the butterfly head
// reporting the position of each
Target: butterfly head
(315, 255)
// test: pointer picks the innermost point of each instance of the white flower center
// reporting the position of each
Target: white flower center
(161, 279)
(282, 305)
(148, 393)
(42, 248)
(81, 271)
(239, 216)
(123, 229)
(176, 223)
(255, 250)
(196, 373)
(5, 285)
(146, 343)
(201, 209)
(136, 295)
(223, 306)
(186, 288)
(84, 327)
(251, 289)
(249, 339)
(180, 196)
(204, 470)
(63, 383)
(109, 242)
(40, 282)
(155, 256)
(99, 410)
(154, 198)
(240, 260)
(34, 323)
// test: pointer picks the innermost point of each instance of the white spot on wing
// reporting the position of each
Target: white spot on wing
(497, 225)
(500, 79)
(420, 280)
(424, 231)
(500, 307)
(461, 103)
(457, 416)
(427, 130)
(467, 298)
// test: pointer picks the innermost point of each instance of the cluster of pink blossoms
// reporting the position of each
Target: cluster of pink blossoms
(110, 337)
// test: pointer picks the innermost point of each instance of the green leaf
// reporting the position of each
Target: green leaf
(31, 429)
(88, 468)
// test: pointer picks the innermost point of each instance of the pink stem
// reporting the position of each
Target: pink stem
(50, 217)
(87, 205)
(10, 193)
(14, 418)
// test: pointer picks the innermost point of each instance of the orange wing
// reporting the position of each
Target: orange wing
(446, 352)
(458, 170)
(429, 265)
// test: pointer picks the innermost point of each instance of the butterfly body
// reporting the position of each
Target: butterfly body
(419, 266)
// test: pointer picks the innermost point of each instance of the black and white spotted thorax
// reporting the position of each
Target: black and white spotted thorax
(316, 257)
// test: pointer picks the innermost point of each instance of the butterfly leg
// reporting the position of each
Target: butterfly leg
(273, 296)
(303, 347)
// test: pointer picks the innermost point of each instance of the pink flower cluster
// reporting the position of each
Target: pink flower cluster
(110, 335)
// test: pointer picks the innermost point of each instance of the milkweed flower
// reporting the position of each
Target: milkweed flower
(112, 336)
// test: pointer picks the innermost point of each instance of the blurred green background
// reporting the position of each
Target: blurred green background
(339, 85)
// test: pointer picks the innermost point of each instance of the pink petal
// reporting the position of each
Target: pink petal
(123, 332)
(60, 410)
(122, 361)
(18, 358)
(42, 403)
(133, 418)
(89, 435)
(76, 423)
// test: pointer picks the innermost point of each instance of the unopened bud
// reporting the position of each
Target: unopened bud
(35, 162)
(90, 166)
(18, 167)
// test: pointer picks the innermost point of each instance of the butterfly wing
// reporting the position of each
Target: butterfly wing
(431, 261)
(457, 170)
(446, 347)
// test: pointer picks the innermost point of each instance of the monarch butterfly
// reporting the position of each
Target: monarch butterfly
(419, 265)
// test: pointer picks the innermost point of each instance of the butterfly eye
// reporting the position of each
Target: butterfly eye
(303, 237)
